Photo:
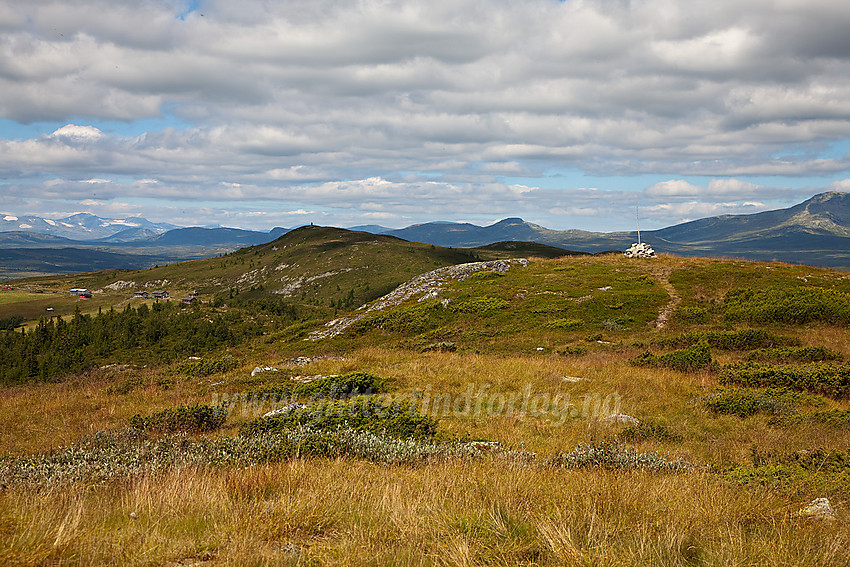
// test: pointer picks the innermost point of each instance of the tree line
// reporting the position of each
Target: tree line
(163, 332)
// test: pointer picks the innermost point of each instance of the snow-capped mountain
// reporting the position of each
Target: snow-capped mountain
(81, 226)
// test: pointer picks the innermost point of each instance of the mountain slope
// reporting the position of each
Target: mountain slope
(196, 236)
(826, 214)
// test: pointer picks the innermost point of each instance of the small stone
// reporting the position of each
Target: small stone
(572, 379)
(622, 418)
(285, 410)
(133, 516)
(817, 509)
(260, 369)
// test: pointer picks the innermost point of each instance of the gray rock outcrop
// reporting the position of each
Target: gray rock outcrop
(817, 509)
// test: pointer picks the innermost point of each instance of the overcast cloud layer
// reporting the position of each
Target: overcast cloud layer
(256, 113)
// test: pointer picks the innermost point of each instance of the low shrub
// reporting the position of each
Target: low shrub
(132, 453)
(197, 367)
(608, 455)
(570, 350)
(742, 339)
(649, 431)
(485, 275)
(804, 472)
(479, 305)
(617, 324)
(363, 413)
(745, 402)
(834, 418)
(125, 386)
(790, 306)
(184, 419)
(824, 378)
(691, 359)
(691, 315)
(565, 324)
(347, 385)
(442, 346)
(793, 354)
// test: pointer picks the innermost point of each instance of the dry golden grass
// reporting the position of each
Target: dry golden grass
(340, 512)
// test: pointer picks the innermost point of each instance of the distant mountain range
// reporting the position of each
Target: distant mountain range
(81, 226)
(815, 232)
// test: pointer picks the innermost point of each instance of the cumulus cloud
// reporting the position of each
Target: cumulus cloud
(424, 109)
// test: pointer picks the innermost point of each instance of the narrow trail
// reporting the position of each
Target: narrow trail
(663, 276)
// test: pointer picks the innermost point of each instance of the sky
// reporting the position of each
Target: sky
(569, 114)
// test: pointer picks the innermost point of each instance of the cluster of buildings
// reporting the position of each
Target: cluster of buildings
(158, 294)
(164, 295)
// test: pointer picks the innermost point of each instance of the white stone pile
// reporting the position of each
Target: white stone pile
(640, 250)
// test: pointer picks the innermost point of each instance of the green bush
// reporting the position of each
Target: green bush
(793, 354)
(485, 275)
(742, 339)
(479, 305)
(790, 306)
(184, 419)
(349, 384)
(197, 367)
(565, 323)
(692, 315)
(746, 402)
(363, 413)
(691, 359)
(821, 377)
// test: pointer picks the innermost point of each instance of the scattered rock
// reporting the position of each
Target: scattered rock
(261, 369)
(308, 379)
(817, 509)
(119, 285)
(285, 409)
(606, 288)
(622, 418)
(485, 446)
(640, 250)
(305, 360)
